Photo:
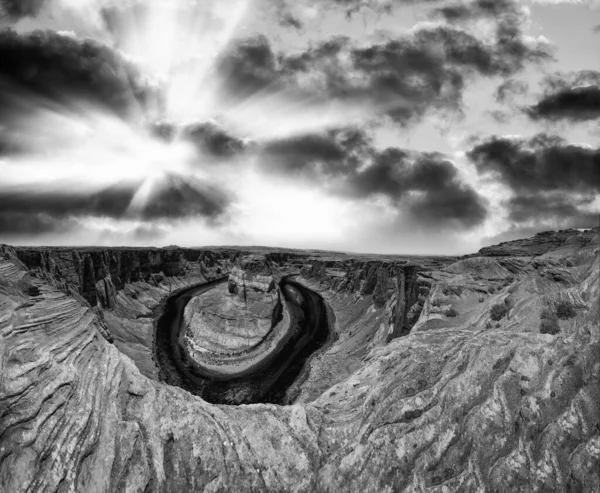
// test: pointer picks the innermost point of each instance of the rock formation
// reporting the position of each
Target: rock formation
(472, 397)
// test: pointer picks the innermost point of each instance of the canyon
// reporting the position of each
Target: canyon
(258, 369)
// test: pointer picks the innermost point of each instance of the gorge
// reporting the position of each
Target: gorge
(426, 373)
(266, 380)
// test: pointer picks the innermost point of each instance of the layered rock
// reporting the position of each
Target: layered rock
(372, 302)
(235, 327)
(390, 284)
(568, 240)
(125, 286)
(454, 406)
(221, 322)
(253, 273)
(97, 274)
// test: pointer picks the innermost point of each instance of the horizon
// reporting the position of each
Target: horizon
(297, 249)
(368, 127)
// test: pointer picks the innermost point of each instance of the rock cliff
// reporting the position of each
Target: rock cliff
(98, 274)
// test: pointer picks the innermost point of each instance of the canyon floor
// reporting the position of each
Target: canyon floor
(441, 374)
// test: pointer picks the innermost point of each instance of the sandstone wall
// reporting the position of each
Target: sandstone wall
(393, 285)
(97, 274)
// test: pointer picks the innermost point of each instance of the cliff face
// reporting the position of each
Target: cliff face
(393, 285)
(253, 273)
(456, 406)
(97, 274)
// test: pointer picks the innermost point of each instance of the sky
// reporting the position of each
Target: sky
(376, 126)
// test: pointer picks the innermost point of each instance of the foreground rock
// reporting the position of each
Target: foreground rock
(458, 404)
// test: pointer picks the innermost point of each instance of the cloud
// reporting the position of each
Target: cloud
(553, 183)
(509, 89)
(60, 203)
(542, 163)
(209, 138)
(212, 139)
(47, 209)
(316, 155)
(561, 210)
(577, 104)
(288, 20)
(425, 186)
(574, 96)
(249, 66)
(401, 77)
(15, 9)
(176, 196)
(63, 68)
(474, 10)
(149, 232)
(25, 224)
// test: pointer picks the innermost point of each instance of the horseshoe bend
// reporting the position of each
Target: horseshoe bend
(263, 370)
(239, 340)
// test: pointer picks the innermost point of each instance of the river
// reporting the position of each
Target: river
(267, 384)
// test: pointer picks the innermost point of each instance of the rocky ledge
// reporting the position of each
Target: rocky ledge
(494, 395)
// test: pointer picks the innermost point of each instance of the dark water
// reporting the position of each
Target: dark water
(268, 384)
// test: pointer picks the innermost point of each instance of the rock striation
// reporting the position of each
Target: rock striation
(126, 286)
(235, 327)
(457, 405)
(394, 285)
(97, 274)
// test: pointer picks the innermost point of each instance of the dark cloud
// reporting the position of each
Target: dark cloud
(571, 96)
(7, 143)
(249, 66)
(559, 210)
(177, 197)
(316, 155)
(597, 28)
(208, 137)
(174, 197)
(15, 9)
(110, 202)
(25, 224)
(576, 103)
(542, 163)
(553, 183)
(426, 186)
(213, 139)
(402, 77)
(468, 11)
(62, 68)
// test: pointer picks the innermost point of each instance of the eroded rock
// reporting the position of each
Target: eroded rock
(454, 406)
